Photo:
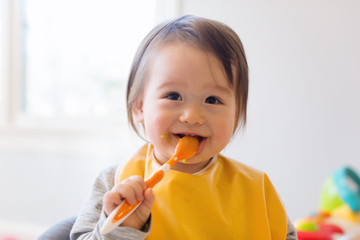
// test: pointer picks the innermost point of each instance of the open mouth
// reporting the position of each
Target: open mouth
(200, 138)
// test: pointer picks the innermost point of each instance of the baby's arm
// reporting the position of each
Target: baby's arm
(92, 215)
(291, 230)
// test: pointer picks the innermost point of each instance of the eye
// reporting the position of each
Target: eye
(173, 96)
(213, 100)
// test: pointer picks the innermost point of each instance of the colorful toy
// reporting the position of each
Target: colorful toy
(339, 214)
(322, 232)
(342, 187)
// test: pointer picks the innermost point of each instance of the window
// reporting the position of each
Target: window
(77, 55)
(71, 58)
(64, 64)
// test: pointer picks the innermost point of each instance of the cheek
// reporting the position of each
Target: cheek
(225, 127)
(226, 131)
(160, 120)
(156, 124)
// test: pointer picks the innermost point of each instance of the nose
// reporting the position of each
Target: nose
(192, 114)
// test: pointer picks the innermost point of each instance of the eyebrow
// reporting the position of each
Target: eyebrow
(170, 84)
(226, 90)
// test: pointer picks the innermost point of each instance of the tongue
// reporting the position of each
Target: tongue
(202, 142)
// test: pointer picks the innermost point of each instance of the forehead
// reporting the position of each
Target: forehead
(180, 61)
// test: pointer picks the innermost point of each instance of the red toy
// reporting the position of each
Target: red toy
(324, 232)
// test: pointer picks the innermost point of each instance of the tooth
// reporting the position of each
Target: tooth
(191, 135)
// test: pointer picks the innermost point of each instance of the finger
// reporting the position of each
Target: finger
(131, 189)
(110, 201)
(112, 198)
(144, 209)
(139, 186)
(149, 198)
(126, 192)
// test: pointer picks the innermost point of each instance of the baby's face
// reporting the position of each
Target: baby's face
(187, 93)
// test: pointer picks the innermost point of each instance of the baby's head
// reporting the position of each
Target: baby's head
(206, 35)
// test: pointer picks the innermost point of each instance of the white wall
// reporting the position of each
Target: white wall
(304, 113)
(303, 118)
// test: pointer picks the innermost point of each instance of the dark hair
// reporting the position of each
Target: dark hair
(206, 34)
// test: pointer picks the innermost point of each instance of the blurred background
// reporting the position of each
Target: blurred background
(63, 71)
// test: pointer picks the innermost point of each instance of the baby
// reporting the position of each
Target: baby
(189, 77)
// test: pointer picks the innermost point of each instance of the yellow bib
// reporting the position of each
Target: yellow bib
(227, 200)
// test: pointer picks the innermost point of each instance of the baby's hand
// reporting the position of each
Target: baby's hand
(132, 190)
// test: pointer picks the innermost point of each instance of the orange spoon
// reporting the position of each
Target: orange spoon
(185, 148)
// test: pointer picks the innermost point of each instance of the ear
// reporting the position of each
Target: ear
(138, 111)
